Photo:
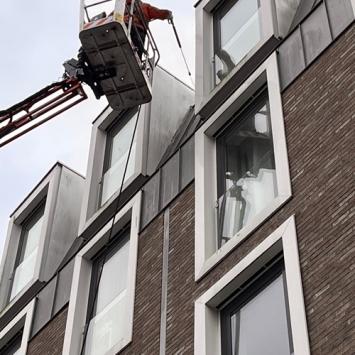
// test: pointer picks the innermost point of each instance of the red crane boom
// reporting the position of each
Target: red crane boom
(39, 108)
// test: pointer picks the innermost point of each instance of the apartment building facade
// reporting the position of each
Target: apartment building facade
(229, 230)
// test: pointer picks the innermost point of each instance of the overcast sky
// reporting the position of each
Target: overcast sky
(36, 37)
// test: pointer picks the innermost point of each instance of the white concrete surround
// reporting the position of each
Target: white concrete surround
(207, 320)
(207, 254)
(47, 191)
(60, 191)
(82, 275)
(22, 321)
(204, 46)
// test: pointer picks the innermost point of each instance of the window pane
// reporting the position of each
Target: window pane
(32, 238)
(109, 319)
(24, 273)
(116, 161)
(24, 270)
(246, 171)
(13, 347)
(114, 278)
(237, 31)
(263, 323)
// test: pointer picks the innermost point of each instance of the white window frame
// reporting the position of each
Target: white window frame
(46, 190)
(205, 51)
(207, 254)
(80, 287)
(207, 317)
(23, 320)
(91, 208)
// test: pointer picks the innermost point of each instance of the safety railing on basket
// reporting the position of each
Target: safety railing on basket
(136, 26)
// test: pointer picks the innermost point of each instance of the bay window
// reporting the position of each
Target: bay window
(241, 167)
(246, 177)
(27, 252)
(107, 299)
(256, 320)
(118, 142)
(237, 30)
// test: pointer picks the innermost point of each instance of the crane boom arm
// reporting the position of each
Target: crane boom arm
(39, 108)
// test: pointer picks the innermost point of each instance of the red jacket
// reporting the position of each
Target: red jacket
(150, 13)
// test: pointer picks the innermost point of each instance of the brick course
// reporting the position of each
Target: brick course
(49, 341)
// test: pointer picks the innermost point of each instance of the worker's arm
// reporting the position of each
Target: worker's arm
(153, 13)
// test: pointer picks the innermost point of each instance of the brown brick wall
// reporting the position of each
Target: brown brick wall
(146, 323)
(318, 108)
(49, 341)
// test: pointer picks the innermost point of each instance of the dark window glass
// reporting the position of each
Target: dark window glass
(28, 251)
(246, 175)
(13, 346)
(237, 30)
(108, 298)
(256, 321)
(119, 138)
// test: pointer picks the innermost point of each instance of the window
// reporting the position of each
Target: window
(257, 307)
(28, 251)
(118, 142)
(15, 336)
(13, 346)
(256, 320)
(107, 299)
(233, 38)
(246, 177)
(105, 308)
(241, 167)
(237, 30)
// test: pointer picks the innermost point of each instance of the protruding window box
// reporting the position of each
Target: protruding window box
(241, 167)
(41, 230)
(233, 38)
(111, 141)
(103, 287)
(15, 336)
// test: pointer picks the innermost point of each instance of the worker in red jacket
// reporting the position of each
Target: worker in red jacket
(139, 24)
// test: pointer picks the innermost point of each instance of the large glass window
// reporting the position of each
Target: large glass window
(108, 299)
(119, 139)
(27, 252)
(237, 30)
(13, 346)
(256, 321)
(246, 175)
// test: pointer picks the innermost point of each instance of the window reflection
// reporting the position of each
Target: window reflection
(108, 319)
(236, 31)
(28, 251)
(118, 144)
(255, 319)
(246, 169)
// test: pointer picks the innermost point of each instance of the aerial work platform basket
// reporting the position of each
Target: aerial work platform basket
(121, 71)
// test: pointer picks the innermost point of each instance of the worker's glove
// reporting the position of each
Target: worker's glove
(170, 16)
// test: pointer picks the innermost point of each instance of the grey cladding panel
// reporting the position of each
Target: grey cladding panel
(63, 287)
(187, 161)
(316, 33)
(65, 222)
(171, 100)
(44, 305)
(303, 9)
(340, 15)
(169, 180)
(150, 205)
(291, 58)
